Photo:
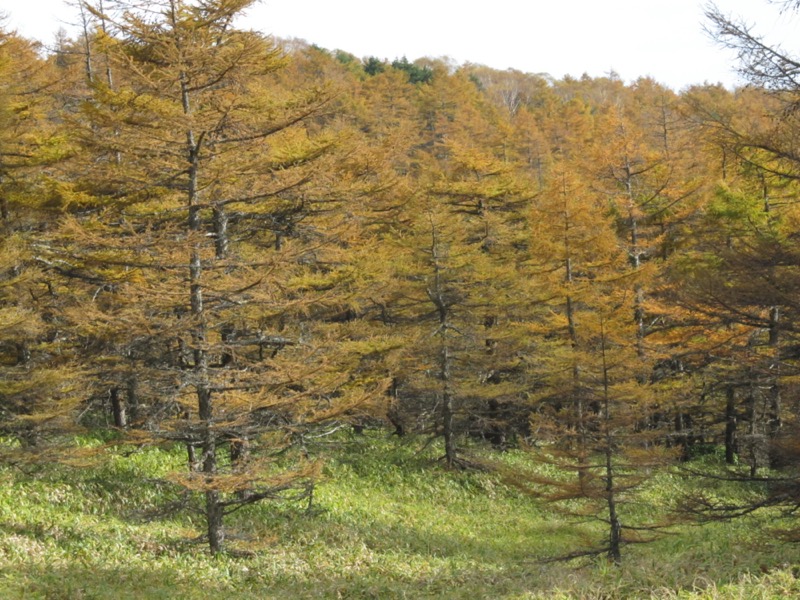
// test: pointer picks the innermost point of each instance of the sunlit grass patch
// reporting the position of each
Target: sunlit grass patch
(387, 521)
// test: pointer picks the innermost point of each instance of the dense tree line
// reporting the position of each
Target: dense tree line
(216, 240)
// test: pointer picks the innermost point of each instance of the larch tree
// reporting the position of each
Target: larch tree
(458, 231)
(592, 393)
(742, 272)
(487, 196)
(754, 209)
(209, 247)
(37, 371)
(739, 280)
(443, 290)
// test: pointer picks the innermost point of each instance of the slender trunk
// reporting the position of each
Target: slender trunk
(436, 295)
(638, 315)
(221, 242)
(774, 420)
(635, 255)
(495, 428)
(774, 400)
(118, 408)
(104, 28)
(730, 426)
(580, 425)
(205, 406)
(393, 412)
(724, 164)
(680, 436)
(184, 364)
(576, 374)
(615, 527)
(752, 430)
(87, 46)
(205, 410)
(774, 411)
(447, 408)
(214, 509)
(678, 429)
(580, 409)
(214, 519)
(227, 334)
(109, 78)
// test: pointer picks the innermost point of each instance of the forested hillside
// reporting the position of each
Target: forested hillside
(244, 248)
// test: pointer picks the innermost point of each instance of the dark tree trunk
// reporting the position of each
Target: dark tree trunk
(214, 509)
(683, 437)
(118, 409)
(774, 421)
(447, 410)
(239, 450)
(214, 519)
(436, 293)
(615, 527)
(730, 426)
(393, 412)
(227, 333)
(754, 445)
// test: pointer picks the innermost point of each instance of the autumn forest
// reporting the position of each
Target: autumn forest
(237, 248)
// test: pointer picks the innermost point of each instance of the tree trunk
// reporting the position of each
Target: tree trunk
(754, 444)
(214, 509)
(730, 426)
(437, 297)
(214, 518)
(393, 411)
(221, 241)
(580, 425)
(615, 527)
(774, 409)
(447, 409)
(239, 450)
(118, 409)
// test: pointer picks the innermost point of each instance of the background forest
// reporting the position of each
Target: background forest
(243, 281)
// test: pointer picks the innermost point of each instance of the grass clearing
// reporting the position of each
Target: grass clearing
(387, 522)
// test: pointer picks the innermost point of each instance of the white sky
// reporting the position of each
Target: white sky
(663, 39)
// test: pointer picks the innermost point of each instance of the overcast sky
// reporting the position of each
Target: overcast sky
(663, 39)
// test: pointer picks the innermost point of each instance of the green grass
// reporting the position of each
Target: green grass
(387, 522)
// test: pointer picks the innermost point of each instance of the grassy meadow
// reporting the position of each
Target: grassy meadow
(387, 521)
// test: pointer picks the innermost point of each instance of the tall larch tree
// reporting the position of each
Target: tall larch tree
(36, 363)
(210, 247)
(592, 393)
(753, 208)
